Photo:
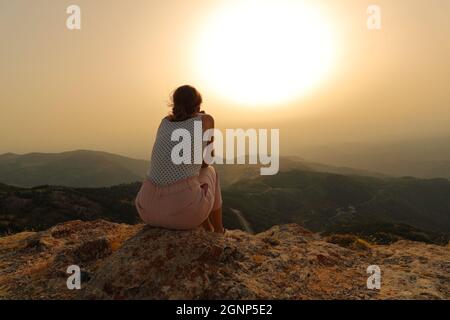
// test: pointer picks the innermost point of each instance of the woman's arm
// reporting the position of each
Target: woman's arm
(207, 124)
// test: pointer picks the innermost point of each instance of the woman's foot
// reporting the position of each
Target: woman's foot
(221, 230)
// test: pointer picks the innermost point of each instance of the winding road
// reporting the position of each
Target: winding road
(244, 223)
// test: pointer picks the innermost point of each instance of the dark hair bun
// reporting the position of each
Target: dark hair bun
(186, 101)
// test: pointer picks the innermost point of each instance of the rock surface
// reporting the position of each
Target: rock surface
(285, 262)
(33, 265)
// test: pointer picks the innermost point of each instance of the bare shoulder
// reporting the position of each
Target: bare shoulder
(207, 121)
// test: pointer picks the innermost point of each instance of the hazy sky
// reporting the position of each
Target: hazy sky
(106, 86)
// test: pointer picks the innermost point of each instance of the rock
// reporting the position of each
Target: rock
(285, 262)
(33, 265)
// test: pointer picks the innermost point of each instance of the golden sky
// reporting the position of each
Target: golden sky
(106, 86)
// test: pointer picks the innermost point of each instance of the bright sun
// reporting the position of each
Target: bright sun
(264, 52)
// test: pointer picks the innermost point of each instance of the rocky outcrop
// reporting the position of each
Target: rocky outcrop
(285, 262)
(33, 265)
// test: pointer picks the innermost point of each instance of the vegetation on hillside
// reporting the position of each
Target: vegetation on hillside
(379, 210)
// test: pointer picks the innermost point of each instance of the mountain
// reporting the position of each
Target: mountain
(286, 262)
(73, 169)
(297, 163)
(422, 158)
(96, 169)
(42, 207)
(380, 210)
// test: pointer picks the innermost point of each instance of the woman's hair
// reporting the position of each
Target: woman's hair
(186, 101)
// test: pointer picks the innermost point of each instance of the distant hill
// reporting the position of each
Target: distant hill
(297, 163)
(73, 169)
(421, 158)
(101, 169)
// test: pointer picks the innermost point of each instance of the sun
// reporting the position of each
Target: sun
(264, 52)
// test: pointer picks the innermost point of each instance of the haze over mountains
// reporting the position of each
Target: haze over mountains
(85, 168)
(421, 158)
(426, 158)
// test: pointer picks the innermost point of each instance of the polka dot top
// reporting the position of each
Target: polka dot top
(163, 170)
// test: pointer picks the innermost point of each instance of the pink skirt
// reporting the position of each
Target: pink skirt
(183, 205)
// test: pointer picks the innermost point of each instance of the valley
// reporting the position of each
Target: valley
(42, 190)
(378, 210)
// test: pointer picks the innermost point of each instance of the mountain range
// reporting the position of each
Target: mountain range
(84, 168)
(379, 210)
(421, 158)
(41, 190)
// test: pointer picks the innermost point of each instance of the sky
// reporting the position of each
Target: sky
(107, 86)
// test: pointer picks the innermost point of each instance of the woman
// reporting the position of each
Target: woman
(184, 196)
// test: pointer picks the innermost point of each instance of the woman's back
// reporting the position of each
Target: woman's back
(181, 191)
(163, 171)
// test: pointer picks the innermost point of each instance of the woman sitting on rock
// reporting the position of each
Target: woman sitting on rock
(187, 195)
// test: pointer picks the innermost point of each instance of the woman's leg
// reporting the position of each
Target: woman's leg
(209, 176)
(216, 220)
